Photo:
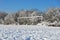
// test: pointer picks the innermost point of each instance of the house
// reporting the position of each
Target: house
(33, 19)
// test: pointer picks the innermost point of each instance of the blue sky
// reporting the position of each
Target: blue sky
(15, 5)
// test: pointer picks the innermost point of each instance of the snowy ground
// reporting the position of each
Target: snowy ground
(24, 32)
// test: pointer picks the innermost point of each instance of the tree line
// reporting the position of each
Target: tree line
(22, 17)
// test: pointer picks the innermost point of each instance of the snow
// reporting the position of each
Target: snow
(29, 32)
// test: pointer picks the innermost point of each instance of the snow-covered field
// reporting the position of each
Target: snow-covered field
(29, 32)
